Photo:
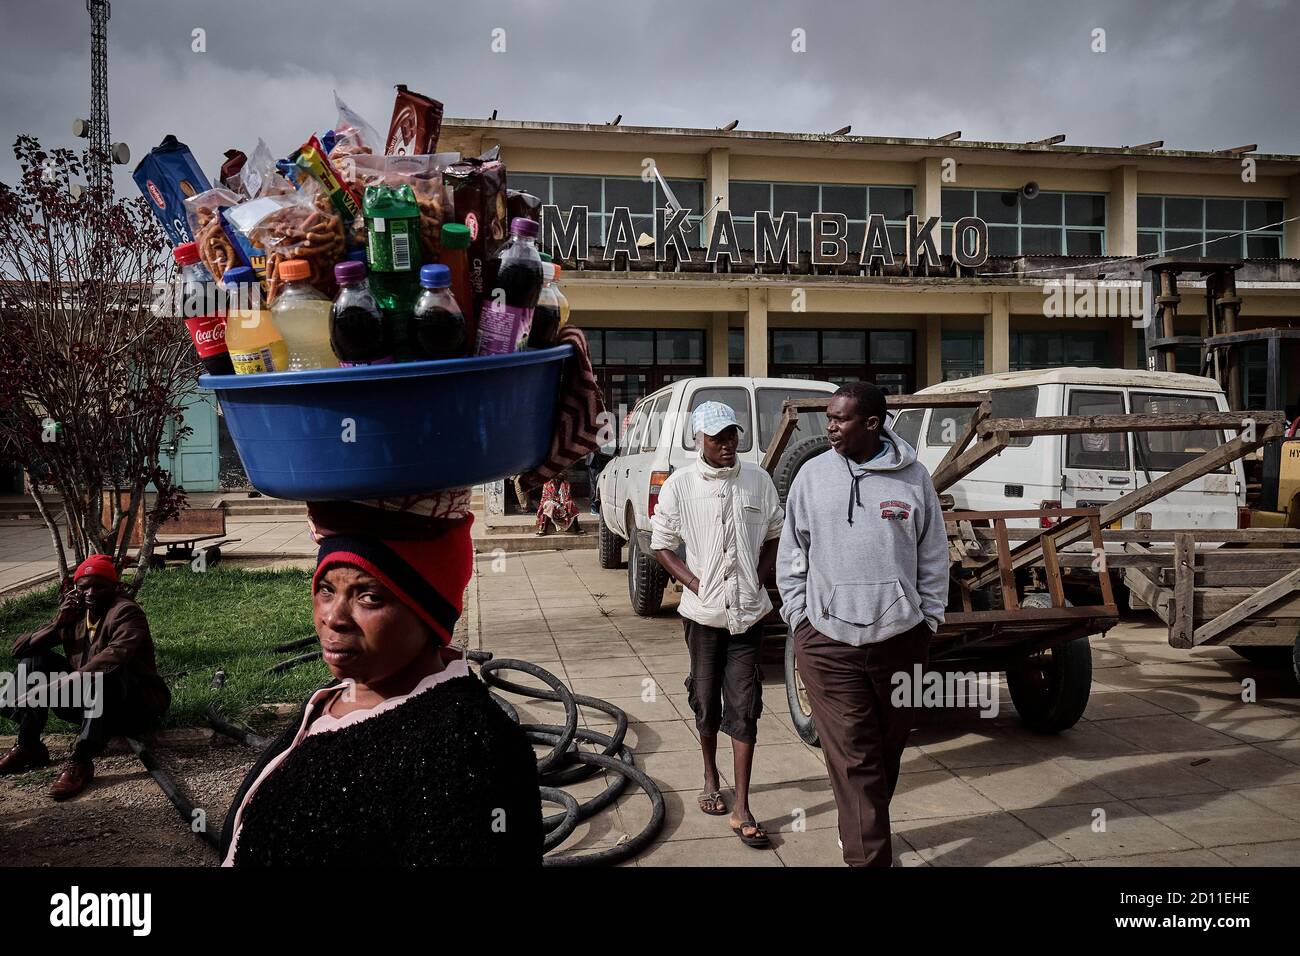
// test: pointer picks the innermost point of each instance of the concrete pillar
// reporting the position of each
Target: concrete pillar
(1291, 237)
(717, 183)
(756, 334)
(927, 196)
(1121, 212)
(997, 333)
(718, 332)
(933, 350)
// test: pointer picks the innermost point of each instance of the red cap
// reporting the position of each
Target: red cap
(186, 254)
(100, 565)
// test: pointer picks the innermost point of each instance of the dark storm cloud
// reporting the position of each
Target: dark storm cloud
(1198, 75)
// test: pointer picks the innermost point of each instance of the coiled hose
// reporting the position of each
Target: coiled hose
(564, 764)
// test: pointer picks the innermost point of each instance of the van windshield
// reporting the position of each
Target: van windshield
(770, 403)
(1165, 451)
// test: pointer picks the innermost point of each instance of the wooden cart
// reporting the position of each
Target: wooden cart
(1007, 608)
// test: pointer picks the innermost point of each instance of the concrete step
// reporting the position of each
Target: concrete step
(530, 542)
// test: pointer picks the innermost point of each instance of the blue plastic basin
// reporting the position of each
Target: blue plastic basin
(385, 430)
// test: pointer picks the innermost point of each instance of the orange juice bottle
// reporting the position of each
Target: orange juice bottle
(254, 342)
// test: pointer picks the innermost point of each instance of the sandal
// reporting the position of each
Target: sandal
(714, 800)
(757, 839)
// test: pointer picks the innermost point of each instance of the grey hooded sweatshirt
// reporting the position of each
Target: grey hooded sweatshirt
(864, 553)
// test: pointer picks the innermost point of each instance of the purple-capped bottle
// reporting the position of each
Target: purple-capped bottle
(508, 303)
(358, 334)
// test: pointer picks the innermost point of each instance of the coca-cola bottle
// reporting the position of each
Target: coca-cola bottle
(509, 301)
(201, 306)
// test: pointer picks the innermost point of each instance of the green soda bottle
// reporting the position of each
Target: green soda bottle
(393, 256)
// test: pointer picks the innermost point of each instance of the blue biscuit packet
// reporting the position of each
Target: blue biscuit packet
(168, 176)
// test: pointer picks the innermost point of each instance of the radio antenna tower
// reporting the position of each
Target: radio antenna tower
(103, 153)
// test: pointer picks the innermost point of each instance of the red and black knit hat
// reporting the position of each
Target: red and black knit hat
(426, 564)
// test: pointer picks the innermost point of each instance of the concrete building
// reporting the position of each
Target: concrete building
(1095, 208)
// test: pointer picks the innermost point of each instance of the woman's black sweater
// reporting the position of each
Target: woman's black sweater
(445, 779)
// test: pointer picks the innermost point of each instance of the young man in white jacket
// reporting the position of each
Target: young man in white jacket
(729, 515)
(863, 576)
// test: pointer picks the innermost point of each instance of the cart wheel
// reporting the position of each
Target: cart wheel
(646, 579)
(805, 725)
(212, 555)
(610, 546)
(1050, 688)
(1272, 656)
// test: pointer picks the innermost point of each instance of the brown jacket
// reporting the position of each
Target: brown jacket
(121, 640)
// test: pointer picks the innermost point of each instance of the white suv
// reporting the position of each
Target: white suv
(658, 439)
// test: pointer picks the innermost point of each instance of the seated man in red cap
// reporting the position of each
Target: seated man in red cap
(105, 637)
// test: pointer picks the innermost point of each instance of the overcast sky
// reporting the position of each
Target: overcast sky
(1202, 75)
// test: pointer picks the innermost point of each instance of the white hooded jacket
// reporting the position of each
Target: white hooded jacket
(724, 515)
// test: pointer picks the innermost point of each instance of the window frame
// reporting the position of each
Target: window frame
(1160, 231)
(805, 223)
(605, 213)
(1020, 225)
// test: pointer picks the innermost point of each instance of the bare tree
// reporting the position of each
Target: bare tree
(94, 361)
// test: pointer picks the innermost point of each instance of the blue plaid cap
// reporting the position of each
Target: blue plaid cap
(713, 417)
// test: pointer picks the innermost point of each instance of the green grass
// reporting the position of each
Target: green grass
(222, 618)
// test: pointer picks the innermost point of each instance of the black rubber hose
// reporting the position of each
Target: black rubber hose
(184, 808)
(242, 734)
(565, 823)
(560, 692)
(630, 848)
(294, 645)
(293, 662)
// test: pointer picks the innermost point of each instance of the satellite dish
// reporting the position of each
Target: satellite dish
(1029, 190)
(76, 190)
(120, 153)
(81, 128)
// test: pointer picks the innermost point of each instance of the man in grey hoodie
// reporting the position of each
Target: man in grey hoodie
(863, 574)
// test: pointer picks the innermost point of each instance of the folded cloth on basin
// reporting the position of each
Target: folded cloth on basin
(578, 414)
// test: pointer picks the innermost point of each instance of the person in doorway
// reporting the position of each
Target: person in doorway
(107, 648)
(728, 514)
(864, 584)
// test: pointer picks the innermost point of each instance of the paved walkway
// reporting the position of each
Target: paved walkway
(1168, 765)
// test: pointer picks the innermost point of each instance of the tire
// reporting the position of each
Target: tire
(794, 458)
(609, 546)
(1050, 689)
(805, 725)
(1278, 655)
(646, 580)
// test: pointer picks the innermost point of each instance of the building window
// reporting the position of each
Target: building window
(1050, 224)
(883, 356)
(962, 354)
(600, 194)
(1030, 350)
(1196, 226)
(632, 363)
(804, 199)
(735, 351)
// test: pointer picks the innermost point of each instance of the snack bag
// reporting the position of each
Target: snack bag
(353, 136)
(424, 175)
(168, 176)
(522, 205)
(415, 126)
(232, 171)
(221, 246)
(478, 196)
(303, 225)
(312, 161)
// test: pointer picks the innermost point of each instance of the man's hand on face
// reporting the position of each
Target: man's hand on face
(70, 607)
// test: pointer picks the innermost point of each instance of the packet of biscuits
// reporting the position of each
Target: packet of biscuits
(478, 195)
(301, 225)
(415, 126)
(424, 174)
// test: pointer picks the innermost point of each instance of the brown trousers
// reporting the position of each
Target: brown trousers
(862, 733)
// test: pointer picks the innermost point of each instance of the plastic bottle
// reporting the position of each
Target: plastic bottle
(302, 314)
(564, 302)
(204, 312)
(438, 323)
(358, 333)
(393, 247)
(508, 305)
(546, 317)
(455, 256)
(255, 343)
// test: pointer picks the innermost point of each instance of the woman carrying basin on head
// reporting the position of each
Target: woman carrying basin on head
(404, 759)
